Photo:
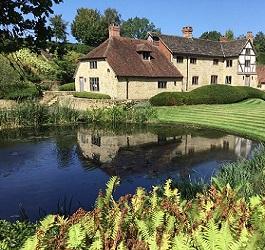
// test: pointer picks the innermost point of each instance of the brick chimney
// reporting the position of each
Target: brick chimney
(187, 31)
(223, 39)
(250, 36)
(114, 30)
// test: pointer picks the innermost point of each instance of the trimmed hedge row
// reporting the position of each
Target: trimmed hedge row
(90, 95)
(67, 87)
(212, 94)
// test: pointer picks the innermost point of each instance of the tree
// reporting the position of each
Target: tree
(22, 23)
(88, 27)
(58, 26)
(259, 43)
(230, 35)
(211, 35)
(111, 16)
(138, 27)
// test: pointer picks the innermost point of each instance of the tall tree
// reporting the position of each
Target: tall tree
(111, 16)
(58, 27)
(88, 27)
(22, 23)
(211, 35)
(230, 35)
(138, 27)
(259, 43)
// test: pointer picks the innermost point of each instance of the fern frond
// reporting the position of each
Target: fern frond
(97, 243)
(182, 242)
(76, 236)
(157, 219)
(31, 243)
(122, 246)
(47, 223)
(110, 187)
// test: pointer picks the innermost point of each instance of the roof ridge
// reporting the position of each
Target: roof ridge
(107, 48)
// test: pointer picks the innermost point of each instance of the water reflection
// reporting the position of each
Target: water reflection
(153, 153)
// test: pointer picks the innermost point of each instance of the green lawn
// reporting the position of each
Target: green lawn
(246, 118)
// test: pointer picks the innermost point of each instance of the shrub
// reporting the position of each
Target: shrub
(90, 95)
(67, 87)
(212, 94)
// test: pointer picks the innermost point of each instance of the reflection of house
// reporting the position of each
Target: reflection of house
(151, 153)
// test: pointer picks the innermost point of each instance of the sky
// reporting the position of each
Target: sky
(169, 15)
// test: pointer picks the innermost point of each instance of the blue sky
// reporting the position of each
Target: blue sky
(203, 15)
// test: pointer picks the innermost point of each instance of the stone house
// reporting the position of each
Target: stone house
(127, 68)
(204, 62)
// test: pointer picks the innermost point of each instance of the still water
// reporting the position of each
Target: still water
(50, 169)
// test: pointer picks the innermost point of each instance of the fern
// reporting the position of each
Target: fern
(76, 237)
(122, 246)
(47, 223)
(182, 242)
(97, 243)
(31, 243)
(111, 185)
(170, 193)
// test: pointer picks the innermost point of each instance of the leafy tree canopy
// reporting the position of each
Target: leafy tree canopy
(211, 35)
(138, 27)
(259, 43)
(22, 23)
(88, 27)
(230, 35)
(111, 16)
(58, 26)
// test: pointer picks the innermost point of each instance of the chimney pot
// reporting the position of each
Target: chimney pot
(187, 31)
(114, 30)
(250, 36)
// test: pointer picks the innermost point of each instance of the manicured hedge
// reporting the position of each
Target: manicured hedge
(67, 87)
(212, 94)
(90, 95)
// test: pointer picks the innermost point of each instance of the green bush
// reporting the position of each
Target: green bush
(20, 92)
(67, 87)
(212, 94)
(90, 95)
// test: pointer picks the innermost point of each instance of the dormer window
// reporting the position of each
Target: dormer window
(146, 55)
(144, 50)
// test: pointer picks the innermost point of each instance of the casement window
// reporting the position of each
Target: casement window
(229, 63)
(248, 51)
(94, 83)
(179, 59)
(93, 65)
(247, 63)
(214, 79)
(96, 140)
(193, 60)
(228, 80)
(195, 80)
(215, 61)
(162, 84)
(146, 55)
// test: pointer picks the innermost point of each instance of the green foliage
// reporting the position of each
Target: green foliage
(160, 219)
(211, 94)
(19, 29)
(88, 27)
(211, 35)
(13, 235)
(138, 28)
(91, 95)
(67, 87)
(58, 26)
(230, 35)
(111, 16)
(259, 43)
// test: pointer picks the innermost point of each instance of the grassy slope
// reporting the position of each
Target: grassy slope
(246, 118)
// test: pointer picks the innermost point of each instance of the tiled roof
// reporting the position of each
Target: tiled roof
(202, 47)
(121, 53)
(261, 73)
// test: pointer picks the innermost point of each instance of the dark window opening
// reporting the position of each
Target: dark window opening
(214, 79)
(229, 63)
(228, 80)
(195, 80)
(162, 84)
(94, 83)
(193, 60)
(146, 55)
(248, 51)
(215, 61)
(93, 65)
(96, 140)
(247, 63)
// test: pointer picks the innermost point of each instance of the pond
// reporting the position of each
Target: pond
(60, 169)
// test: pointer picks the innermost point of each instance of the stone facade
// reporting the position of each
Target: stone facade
(122, 88)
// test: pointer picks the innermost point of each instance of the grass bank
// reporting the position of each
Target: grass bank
(246, 118)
